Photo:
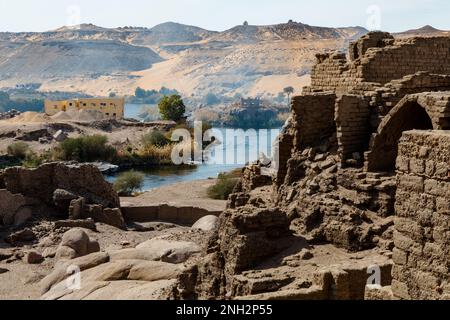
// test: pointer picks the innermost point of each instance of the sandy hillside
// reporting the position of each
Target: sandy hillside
(247, 60)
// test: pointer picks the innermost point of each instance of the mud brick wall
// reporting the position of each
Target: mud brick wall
(353, 124)
(371, 40)
(313, 116)
(332, 73)
(387, 97)
(406, 57)
(388, 60)
(422, 227)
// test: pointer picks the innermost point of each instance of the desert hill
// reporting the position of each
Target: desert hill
(246, 59)
(426, 31)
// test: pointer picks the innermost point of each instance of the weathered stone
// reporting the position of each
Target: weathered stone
(207, 223)
(84, 224)
(34, 257)
(65, 269)
(22, 236)
(76, 243)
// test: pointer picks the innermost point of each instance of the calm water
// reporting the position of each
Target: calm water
(233, 152)
(140, 111)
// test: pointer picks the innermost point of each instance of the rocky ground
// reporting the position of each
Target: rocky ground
(24, 267)
(38, 131)
(142, 258)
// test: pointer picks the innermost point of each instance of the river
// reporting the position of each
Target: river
(236, 150)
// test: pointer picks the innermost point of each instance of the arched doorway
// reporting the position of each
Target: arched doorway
(407, 116)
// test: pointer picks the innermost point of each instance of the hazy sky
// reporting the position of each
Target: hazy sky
(389, 15)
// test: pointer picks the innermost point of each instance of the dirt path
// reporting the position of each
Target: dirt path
(185, 194)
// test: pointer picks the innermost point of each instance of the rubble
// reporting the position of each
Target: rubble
(336, 183)
(58, 189)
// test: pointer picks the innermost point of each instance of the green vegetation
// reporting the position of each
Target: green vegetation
(155, 138)
(172, 108)
(128, 183)
(150, 96)
(33, 160)
(288, 91)
(224, 186)
(87, 149)
(21, 154)
(18, 150)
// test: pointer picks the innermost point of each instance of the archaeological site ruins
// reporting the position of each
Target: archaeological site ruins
(364, 165)
(356, 204)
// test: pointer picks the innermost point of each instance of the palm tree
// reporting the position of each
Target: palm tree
(289, 91)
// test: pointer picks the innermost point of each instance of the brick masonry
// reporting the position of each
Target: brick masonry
(422, 237)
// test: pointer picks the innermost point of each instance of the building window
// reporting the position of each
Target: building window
(107, 114)
(84, 104)
(114, 114)
(93, 104)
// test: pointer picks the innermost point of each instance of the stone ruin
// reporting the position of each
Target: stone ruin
(364, 164)
(57, 190)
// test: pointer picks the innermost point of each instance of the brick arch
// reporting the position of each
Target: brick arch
(423, 112)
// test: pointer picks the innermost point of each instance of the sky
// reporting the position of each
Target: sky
(219, 15)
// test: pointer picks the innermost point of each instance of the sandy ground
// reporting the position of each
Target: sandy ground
(184, 194)
(20, 281)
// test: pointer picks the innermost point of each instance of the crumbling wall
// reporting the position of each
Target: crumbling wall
(430, 110)
(422, 239)
(377, 59)
(405, 57)
(393, 92)
(374, 39)
(314, 118)
(353, 126)
(333, 73)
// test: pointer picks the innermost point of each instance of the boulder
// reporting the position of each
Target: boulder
(114, 290)
(49, 252)
(123, 275)
(76, 243)
(134, 270)
(34, 257)
(61, 270)
(25, 235)
(159, 250)
(208, 223)
(14, 208)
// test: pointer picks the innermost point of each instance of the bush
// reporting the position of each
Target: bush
(87, 149)
(156, 154)
(224, 187)
(129, 182)
(32, 160)
(155, 138)
(18, 150)
(172, 108)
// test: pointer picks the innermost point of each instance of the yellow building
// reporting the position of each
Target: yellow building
(111, 107)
